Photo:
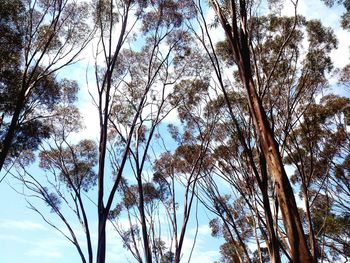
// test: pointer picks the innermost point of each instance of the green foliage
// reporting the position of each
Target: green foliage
(265, 256)
(44, 98)
(168, 257)
(11, 14)
(318, 149)
(218, 144)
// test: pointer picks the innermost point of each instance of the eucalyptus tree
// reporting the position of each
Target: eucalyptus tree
(68, 176)
(40, 38)
(132, 96)
(235, 23)
(279, 77)
(345, 18)
(319, 150)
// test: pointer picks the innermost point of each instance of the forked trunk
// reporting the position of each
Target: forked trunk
(238, 38)
(285, 195)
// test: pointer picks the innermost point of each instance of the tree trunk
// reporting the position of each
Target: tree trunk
(289, 209)
(141, 207)
(101, 245)
(102, 215)
(239, 44)
(6, 144)
(273, 245)
(312, 238)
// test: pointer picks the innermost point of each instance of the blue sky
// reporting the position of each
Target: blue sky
(25, 237)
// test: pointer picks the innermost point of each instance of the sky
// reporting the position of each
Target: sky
(25, 237)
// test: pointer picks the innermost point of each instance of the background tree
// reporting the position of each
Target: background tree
(248, 106)
(319, 149)
(67, 175)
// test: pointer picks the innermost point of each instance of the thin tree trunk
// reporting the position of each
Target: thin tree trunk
(101, 244)
(312, 239)
(147, 249)
(102, 215)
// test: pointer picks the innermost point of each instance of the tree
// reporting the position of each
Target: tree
(67, 174)
(124, 93)
(44, 36)
(248, 106)
(319, 152)
(345, 18)
(234, 17)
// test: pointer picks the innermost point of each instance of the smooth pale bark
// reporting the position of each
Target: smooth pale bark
(239, 44)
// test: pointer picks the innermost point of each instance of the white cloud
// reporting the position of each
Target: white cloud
(44, 253)
(13, 238)
(205, 256)
(21, 225)
(330, 17)
(50, 247)
(204, 230)
(90, 120)
(341, 55)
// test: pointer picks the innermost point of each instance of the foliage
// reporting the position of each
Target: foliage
(248, 108)
(38, 38)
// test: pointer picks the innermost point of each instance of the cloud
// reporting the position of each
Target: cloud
(340, 56)
(33, 246)
(205, 250)
(90, 121)
(44, 253)
(50, 247)
(20, 225)
(205, 256)
(13, 238)
(313, 9)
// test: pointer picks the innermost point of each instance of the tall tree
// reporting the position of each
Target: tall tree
(318, 149)
(238, 24)
(124, 93)
(44, 36)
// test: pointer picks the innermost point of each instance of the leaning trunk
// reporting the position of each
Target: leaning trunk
(286, 199)
(238, 37)
(312, 238)
(273, 245)
(6, 144)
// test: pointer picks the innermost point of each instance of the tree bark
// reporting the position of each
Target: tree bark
(141, 207)
(312, 238)
(239, 44)
(101, 245)
(273, 246)
(6, 144)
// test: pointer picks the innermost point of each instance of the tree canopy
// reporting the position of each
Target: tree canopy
(225, 110)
